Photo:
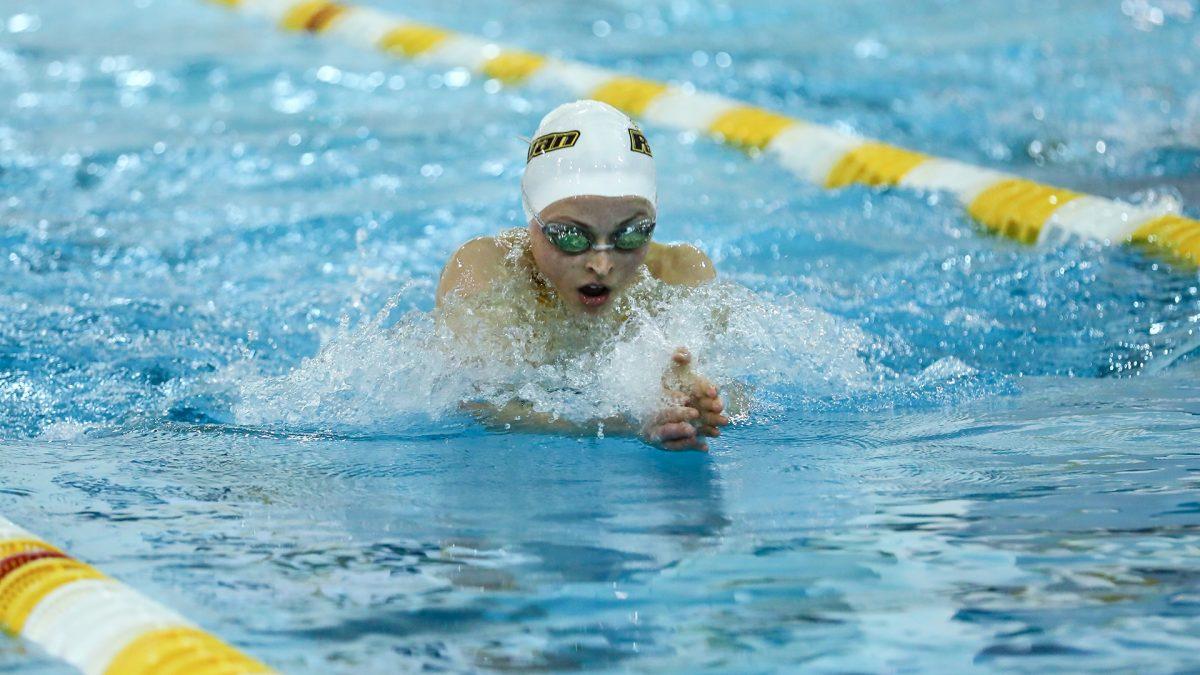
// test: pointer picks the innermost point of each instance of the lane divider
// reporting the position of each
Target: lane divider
(102, 627)
(1006, 204)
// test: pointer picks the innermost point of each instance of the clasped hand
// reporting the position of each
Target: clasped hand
(691, 412)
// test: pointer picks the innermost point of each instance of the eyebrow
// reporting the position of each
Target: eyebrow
(570, 221)
(641, 214)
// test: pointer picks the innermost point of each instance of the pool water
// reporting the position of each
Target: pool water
(219, 381)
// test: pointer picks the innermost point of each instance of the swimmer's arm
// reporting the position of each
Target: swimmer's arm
(520, 416)
(672, 428)
(680, 264)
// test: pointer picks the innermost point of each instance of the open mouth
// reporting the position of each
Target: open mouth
(593, 295)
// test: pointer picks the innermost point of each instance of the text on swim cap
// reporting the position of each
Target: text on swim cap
(638, 143)
(551, 142)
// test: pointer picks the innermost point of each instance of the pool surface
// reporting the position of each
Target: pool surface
(219, 380)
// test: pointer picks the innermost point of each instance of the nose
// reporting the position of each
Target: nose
(600, 263)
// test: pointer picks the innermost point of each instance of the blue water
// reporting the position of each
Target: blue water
(219, 382)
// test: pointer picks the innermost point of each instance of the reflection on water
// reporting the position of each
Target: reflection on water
(988, 537)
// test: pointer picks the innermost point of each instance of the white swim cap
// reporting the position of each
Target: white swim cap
(587, 148)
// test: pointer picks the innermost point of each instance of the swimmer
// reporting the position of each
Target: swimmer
(589, 193)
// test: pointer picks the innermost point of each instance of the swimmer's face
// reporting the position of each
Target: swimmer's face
(588, 281)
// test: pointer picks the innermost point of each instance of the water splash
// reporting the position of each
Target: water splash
(575, 367)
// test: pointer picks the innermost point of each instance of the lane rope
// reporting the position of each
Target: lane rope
(76, 613)
(1006, 204)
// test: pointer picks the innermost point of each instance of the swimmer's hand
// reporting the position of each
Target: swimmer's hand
(672, 428)
(703, 395)
(692, 412)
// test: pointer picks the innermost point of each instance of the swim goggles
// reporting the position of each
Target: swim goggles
(574, 239)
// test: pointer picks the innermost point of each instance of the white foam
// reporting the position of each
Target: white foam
(578, 368)
(361, 377)
(945, 368)
(65, 430)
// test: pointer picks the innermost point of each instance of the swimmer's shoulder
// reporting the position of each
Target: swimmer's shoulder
(474, 266)
(679, 264)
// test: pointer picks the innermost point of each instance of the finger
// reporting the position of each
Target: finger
(703, 388)
(707, 430)
(713, 405)
(676, 414)
(714, 418)
(690, 444)
(679, 414)
(680, 373)
(676, 397)
(693, 443)
(681, 356)
(674, 431)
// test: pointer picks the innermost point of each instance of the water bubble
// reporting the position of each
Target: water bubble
(329, 74)
(136, 79)
(870, 48)
(21, 23)
(457, 78)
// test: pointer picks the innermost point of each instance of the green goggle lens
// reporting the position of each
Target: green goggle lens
(568, 239)
(572, 239)
(633, 238)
